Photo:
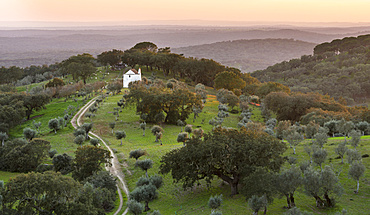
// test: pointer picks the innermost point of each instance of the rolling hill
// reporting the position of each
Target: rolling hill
(27, 47)
(249, 55)
(339, 68)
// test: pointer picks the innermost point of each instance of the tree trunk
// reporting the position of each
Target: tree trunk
(293, 150)
(319, 201)
(265, 211)
(146, 207)
(288, 200)
(233, 182)
(234, 188)
(342, 160)
(292, 203)
(358, 186)
(329, 203)
(146, 173)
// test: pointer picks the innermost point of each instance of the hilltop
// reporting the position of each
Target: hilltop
(339, 68)
(249, 55)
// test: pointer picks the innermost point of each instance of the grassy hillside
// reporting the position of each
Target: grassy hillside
(172, 198)
(249, 55)
(340, 69)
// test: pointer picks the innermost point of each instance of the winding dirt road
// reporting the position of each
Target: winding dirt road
(115, 169)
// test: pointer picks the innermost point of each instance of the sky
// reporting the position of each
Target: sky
(353, 11)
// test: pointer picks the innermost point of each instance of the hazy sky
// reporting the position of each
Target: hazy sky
(228, 10)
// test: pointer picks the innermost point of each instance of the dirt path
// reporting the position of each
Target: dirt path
(115, 169)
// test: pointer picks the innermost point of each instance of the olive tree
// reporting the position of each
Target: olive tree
(287, 182)
(54, 125)
(356, 171)
(145, 193)
(157, 131)
(321, 138)
(94, 141)
(322, 184)
(355, 138)
(29, 133)
(257, 203)
(112, 125)
(294, 138)
(137, 153)
(353, 155)
(341, 150)
(188, 129)
(180, 123)
(87, 127)
(37, 125)
(79, 139)
(319, 157)
(145, 165)
(143, 127)
(214, 202)
(182, 137)
(135, 207)
(120, 135)
(311, 129)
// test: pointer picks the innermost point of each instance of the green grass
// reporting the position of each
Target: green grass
(5, 176)
(52, 110)
(174, 200)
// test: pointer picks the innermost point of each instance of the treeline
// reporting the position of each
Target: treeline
(306, 107)
(24, 76)
(148, 54)
(339, 69)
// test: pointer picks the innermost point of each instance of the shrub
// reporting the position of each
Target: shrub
(214, 202)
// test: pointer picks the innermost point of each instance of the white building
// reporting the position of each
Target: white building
(131, 76)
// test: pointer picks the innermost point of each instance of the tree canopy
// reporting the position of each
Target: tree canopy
(229, 80)
(176, 104)
(226, 153)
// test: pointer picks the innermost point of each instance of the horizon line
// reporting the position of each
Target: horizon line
(185, 22)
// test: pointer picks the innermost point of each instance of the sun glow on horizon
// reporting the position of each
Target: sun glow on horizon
(227, 10)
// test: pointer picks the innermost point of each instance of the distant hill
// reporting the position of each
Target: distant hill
(37, 46)
(249, 55)
(339, 68)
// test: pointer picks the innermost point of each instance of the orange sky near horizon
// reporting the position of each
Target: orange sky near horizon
(227, 10)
